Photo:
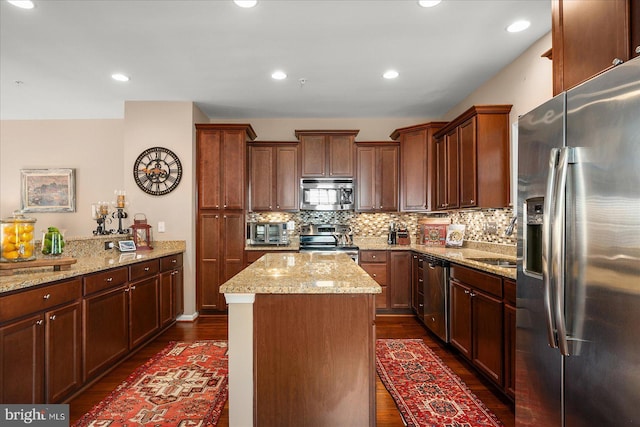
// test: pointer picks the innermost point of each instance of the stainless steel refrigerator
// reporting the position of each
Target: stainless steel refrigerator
(578, 289)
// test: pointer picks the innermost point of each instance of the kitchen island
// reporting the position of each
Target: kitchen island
(301, 342)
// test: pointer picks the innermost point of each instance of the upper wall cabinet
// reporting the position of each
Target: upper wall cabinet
(588, 36)
(273, 177)
(417, 166)
(472, 159)
(327, 153)
(377, 177)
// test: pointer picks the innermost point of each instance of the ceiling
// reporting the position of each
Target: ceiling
(56, 60)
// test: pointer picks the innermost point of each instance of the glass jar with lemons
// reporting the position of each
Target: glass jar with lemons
(17, 237)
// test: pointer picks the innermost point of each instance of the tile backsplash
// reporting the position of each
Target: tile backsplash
(377, 224)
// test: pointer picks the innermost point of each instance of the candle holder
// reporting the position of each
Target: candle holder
(120, 204)
(100, 213)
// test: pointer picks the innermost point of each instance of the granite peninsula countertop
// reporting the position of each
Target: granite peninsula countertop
(302, 273)
(86, 264)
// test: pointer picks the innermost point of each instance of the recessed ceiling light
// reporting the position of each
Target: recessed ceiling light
(279, 75)
(120, 77)
(518, 26)
(246, 3)
(23, 4)
(391, 74)
(429, 3)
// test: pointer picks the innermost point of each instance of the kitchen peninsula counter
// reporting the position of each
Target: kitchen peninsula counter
(301, 341)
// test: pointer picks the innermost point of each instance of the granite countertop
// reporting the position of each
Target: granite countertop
(302, 273)
(24, 278)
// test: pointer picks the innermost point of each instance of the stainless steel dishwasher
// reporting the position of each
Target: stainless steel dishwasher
(436, 296)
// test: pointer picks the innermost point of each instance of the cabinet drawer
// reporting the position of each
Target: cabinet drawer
(170, 262)
(143, 269)
(373, 256)
(510, 292)
(377, 271)
(104, 280)
(35, 300)
(486, 282)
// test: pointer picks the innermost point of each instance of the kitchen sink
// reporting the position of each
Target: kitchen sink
(498, 262)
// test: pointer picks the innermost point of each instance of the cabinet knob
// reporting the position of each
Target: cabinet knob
(420, 305)
(415, 257)
(277, 206)
(217, 216)
(472, 294)
(224, 206)
(374, 274)
(174, 260)
(420, 280)
(224, 216)
(472, 201)
(126, 290)
(373, 256)
(466, 291)
(109, 279)
(47, 296)
(217, 206)
(133, 287)
(52, 317)
(146, 269)
(617, 61)
(638, 49)
(39, 322)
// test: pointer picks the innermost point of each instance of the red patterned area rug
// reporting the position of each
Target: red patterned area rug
(425, 390)
(183, 385)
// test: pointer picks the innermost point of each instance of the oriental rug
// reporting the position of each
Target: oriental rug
(426, 391)
(183, 385)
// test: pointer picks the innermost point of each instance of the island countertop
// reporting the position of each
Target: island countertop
(302, 273)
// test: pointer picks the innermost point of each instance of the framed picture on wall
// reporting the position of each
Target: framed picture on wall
(48, 190)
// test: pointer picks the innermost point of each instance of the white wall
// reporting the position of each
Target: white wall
(94, 148)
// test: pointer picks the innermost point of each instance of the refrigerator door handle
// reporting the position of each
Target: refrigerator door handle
(558, 248)
(547, 240)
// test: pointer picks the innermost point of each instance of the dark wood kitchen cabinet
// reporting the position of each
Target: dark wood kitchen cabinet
(377, 177)
(510, 337)
(375, 263)
(221, 249)
(417, 166)
(221, 174)
(40, 343)
(273, 177)
(144, 305)
(473, 154)
(477, 320)
(171, 289)
(417, 285)
(400, 280)
(326, 153)
(588, 36)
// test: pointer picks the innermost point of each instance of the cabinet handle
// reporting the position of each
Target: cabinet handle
(473, 294)
(472, 201)
(420, 280)
(174, 260)
(466, 291)
(617, 61)
(133, 287)
(415, 257)
(109, 279)
(39, 322)
(47, 296)
(52, 317)
(146, 269)
(638, 49)
(126, 290)
(420, 305)
(374, 274)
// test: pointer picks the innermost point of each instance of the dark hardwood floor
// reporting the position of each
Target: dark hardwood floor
(215, 327)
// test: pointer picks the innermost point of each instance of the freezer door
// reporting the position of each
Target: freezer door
(602, 299)
(538, 366)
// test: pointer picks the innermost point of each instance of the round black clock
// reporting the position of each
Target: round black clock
(157, 171)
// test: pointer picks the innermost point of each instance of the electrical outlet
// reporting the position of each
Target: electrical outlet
(490, 228)
(161, 228)
(108, 245)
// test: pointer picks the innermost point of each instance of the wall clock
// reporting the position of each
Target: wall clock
(157, 171)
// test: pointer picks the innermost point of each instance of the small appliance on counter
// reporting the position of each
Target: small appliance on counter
(268, 233)
(402, 235)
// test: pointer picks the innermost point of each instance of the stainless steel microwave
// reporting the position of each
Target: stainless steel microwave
(268, 233)
(327, 194)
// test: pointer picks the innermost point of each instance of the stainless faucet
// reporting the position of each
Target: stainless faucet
(509, 230)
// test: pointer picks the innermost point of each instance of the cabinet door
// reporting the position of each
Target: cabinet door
(366, 172)
(261, 179)
(177, 284)
(22, 361)
(387, 182)
(461, 317)
(167, 308)
(400, 280)
(441, 174)
(487, 335)
(106, 330)
(340, 155)
(209, 261)
(587, 37)
(286, 173)
(233, 169)
(452, 174)
(313, 152)
(232, 250)
(144, 319)
(417, 302)
(378, 271)
(510, 350)
(468, 163)
(63, 346)
(413, 187)
(208, 168)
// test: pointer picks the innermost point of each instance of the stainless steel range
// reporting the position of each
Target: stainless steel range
(328, 238)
